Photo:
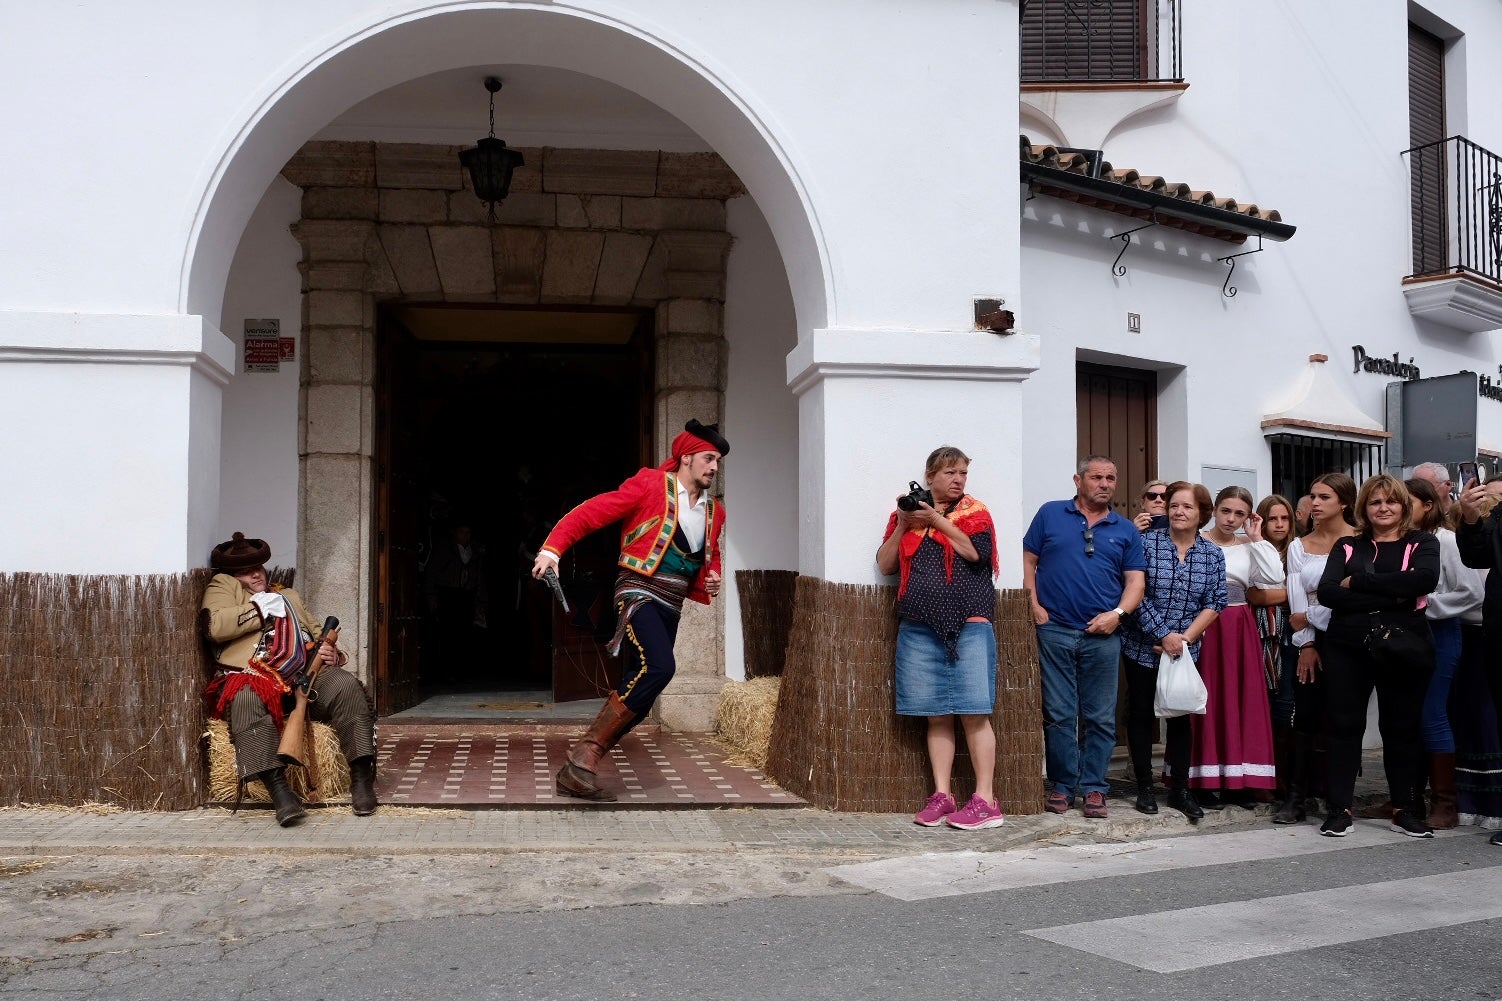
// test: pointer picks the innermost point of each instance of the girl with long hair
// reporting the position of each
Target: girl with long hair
(1332, 497)
(1280, 657)
(1232, 748)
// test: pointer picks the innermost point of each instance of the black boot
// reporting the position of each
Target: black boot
(1180, 800)
(288, 807)
(1147, 801)
(362, 797)
(1300, 753)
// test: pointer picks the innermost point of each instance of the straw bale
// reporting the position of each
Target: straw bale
(837, 739)
(743, 718)
(766, 599)
(223, 777)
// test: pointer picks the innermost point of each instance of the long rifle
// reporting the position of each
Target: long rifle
(296, 745)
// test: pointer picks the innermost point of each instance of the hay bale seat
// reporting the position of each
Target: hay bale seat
(743, 718)
(333, 770)
(837, 740)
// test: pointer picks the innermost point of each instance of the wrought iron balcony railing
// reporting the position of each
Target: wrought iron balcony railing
(1101, 41)
(1456, 205)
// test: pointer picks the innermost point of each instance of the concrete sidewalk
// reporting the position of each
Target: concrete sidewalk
(399, 830)
(396, 830)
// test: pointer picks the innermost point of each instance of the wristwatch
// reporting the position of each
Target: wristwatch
(1119, 613)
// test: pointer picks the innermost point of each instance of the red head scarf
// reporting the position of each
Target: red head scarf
(695, 438)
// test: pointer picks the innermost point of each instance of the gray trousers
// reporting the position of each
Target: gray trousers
(338, 699)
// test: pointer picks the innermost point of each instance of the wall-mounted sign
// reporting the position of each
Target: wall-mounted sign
(1432, 420)
(263, 345)
(1384, 366)
(1486, 387)
(289, 349)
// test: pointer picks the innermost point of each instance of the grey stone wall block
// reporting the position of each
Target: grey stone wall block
(527, 210)
(334, 419)
(571, 212)
(418, 165)
(519, 254)
(335, 308)
(337, 355)
(652, 286)
(690, 316)
(464, 207)
(335, 501)
(600, 171)
(604, 211)
(348, 276)
(697, 175)
(333, 239)
(672, 213)
(380, 279)
(339, 203)
(568, 271)
(675, 406)
(690, 362)
(411, 258)
(327, 164)
(416, 205)
(464, 258)
(621, 264)
(695, 251)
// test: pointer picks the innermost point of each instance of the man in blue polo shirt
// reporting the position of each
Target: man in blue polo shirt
(1083, 564)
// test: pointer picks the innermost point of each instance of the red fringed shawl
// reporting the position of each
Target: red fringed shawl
(223, 689)
(969, 516)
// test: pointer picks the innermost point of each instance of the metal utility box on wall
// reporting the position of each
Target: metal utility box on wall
(1432, 420)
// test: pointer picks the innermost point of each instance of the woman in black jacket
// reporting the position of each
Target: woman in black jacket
(1376, 584)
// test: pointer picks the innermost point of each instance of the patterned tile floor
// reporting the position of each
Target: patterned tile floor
(454, 765)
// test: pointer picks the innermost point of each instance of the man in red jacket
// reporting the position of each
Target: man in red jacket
(670, 550)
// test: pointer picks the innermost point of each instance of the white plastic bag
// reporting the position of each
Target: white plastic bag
(1180, 689)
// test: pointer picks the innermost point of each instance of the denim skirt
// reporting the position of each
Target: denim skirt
(930, 684)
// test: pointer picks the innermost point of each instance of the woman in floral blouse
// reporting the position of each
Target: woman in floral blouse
(1186, 590)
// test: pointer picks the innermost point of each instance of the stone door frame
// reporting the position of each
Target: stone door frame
(388, 223)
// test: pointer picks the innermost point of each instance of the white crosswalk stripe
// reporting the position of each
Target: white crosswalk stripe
(950, 874)
(1194, 937)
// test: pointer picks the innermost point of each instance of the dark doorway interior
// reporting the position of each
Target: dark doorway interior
(494, 422)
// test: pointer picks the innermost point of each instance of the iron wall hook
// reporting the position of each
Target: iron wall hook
(1117, 268)
(1227, 289)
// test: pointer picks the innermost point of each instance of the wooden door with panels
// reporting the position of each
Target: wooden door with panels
(1116, 414)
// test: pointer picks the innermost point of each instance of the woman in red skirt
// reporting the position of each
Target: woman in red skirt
(1232, 746)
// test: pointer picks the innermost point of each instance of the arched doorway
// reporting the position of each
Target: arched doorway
(340, 540)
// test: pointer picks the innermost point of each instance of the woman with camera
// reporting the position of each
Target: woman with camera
(944, 548)
(1376, 584)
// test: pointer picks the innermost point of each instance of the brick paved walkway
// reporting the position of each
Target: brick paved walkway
(458, 765)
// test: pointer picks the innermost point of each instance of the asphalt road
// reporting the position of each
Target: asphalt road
(1262, 912)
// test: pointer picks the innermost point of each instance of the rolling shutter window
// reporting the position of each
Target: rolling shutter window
(1084, 40)
(1426, 125)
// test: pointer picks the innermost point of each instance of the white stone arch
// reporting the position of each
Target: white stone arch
(335, 73)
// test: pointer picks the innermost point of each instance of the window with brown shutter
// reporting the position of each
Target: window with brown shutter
(1079, 41)
(1426, 161)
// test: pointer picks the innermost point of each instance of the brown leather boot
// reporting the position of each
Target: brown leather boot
(1442, 812)
(577, 776)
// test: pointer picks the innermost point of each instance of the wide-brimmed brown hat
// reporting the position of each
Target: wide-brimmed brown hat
(240, 553)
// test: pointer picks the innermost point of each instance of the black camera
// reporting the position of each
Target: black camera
(916, 495)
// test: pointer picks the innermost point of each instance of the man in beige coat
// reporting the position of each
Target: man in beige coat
(253, 629)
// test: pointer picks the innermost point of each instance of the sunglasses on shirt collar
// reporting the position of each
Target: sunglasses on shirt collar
(1090, 542)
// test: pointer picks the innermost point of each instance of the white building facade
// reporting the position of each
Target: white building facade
(809, 213)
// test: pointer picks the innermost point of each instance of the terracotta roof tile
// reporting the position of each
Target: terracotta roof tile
(1079, 163)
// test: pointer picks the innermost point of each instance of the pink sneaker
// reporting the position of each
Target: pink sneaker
(939, 806)
(976, 816)
(1095, 805)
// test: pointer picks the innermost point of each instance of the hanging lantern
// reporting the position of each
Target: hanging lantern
(489, 162)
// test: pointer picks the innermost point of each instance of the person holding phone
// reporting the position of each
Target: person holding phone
(1479, 538)
(1154, 507)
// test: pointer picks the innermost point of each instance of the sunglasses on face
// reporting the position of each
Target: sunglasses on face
(1155, 494)
(1089, 542)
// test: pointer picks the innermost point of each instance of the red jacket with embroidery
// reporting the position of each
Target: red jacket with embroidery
(646, 505)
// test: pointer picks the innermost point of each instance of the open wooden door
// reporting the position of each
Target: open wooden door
(398, 611)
